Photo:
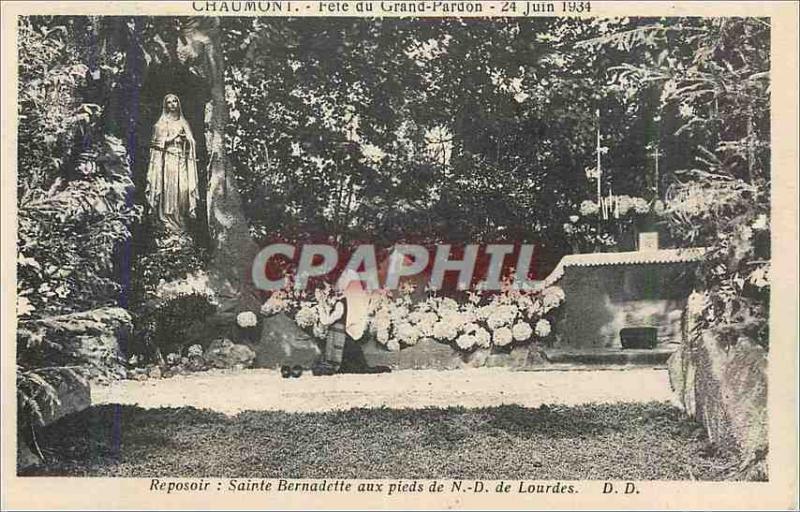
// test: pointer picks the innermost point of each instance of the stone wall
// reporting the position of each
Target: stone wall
(725, 389)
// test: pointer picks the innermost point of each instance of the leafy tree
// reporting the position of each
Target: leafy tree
(714, 90)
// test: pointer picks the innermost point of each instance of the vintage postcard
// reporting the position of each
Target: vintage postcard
(272, 255)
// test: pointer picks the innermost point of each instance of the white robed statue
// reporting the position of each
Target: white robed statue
(172, 175)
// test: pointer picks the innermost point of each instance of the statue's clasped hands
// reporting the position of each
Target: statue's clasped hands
(181, 135)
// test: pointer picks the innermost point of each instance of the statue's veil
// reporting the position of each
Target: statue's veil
(165, 115)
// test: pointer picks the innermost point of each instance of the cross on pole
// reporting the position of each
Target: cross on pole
(656, 155)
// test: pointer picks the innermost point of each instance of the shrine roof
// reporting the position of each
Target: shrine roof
(596, 259)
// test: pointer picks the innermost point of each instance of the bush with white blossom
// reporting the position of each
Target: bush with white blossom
(246, 319)
(483, 321)
(522, 331)
(542, 328)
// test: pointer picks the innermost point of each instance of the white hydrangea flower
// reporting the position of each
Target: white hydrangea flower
(424, 307)
(589, 207)
(503, 315)
(382, 336)
(447, 304)
(484, 312)
(427, 323)
(443, 330)
(542, 328)
(381, 323)
(640, 205)
(524, 302)
(482, 337)
(195, 350)
(246, 319)
(454, 318)
(465, 341)
(305, 317)
(552, 297)
(502, 337)
(398, 313)
(415, 317)
(624, 204)
(471, 327)
(468, 314)
(407, 333)
(522, 331)
(535, 309)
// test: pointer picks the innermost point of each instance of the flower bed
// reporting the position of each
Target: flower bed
(496, 321)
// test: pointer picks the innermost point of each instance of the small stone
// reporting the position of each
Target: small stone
(238, 367)
(141, 376)
(154, 373)
(223, 353)
(196, 363)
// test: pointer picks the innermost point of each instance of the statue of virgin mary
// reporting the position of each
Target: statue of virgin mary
(172, 175)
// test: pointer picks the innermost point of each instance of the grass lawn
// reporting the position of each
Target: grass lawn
(624, 441)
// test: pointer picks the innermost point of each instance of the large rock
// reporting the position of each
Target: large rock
(226, 354)
(282, 342)
(725, 390)
(73, 396)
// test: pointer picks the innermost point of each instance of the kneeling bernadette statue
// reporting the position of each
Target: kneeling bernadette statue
(347, 318)
(172, 174)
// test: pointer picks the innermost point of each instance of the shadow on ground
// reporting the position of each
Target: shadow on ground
(622, 441)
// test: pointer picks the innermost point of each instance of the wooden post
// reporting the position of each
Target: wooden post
(599, 172)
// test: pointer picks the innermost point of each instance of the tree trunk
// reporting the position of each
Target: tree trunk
(233, 249)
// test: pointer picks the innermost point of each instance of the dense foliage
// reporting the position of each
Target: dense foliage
(74, 214)
(716, 88)
(489, 130)
(384, 130)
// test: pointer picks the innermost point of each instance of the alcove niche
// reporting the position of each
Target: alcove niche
(160, 80)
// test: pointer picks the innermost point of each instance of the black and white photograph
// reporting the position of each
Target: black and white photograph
(406, 250)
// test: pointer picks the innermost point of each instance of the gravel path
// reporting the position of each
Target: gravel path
(232, 392)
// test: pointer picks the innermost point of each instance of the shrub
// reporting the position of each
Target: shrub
(172, 325)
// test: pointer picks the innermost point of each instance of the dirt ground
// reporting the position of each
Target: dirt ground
(231, 392)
